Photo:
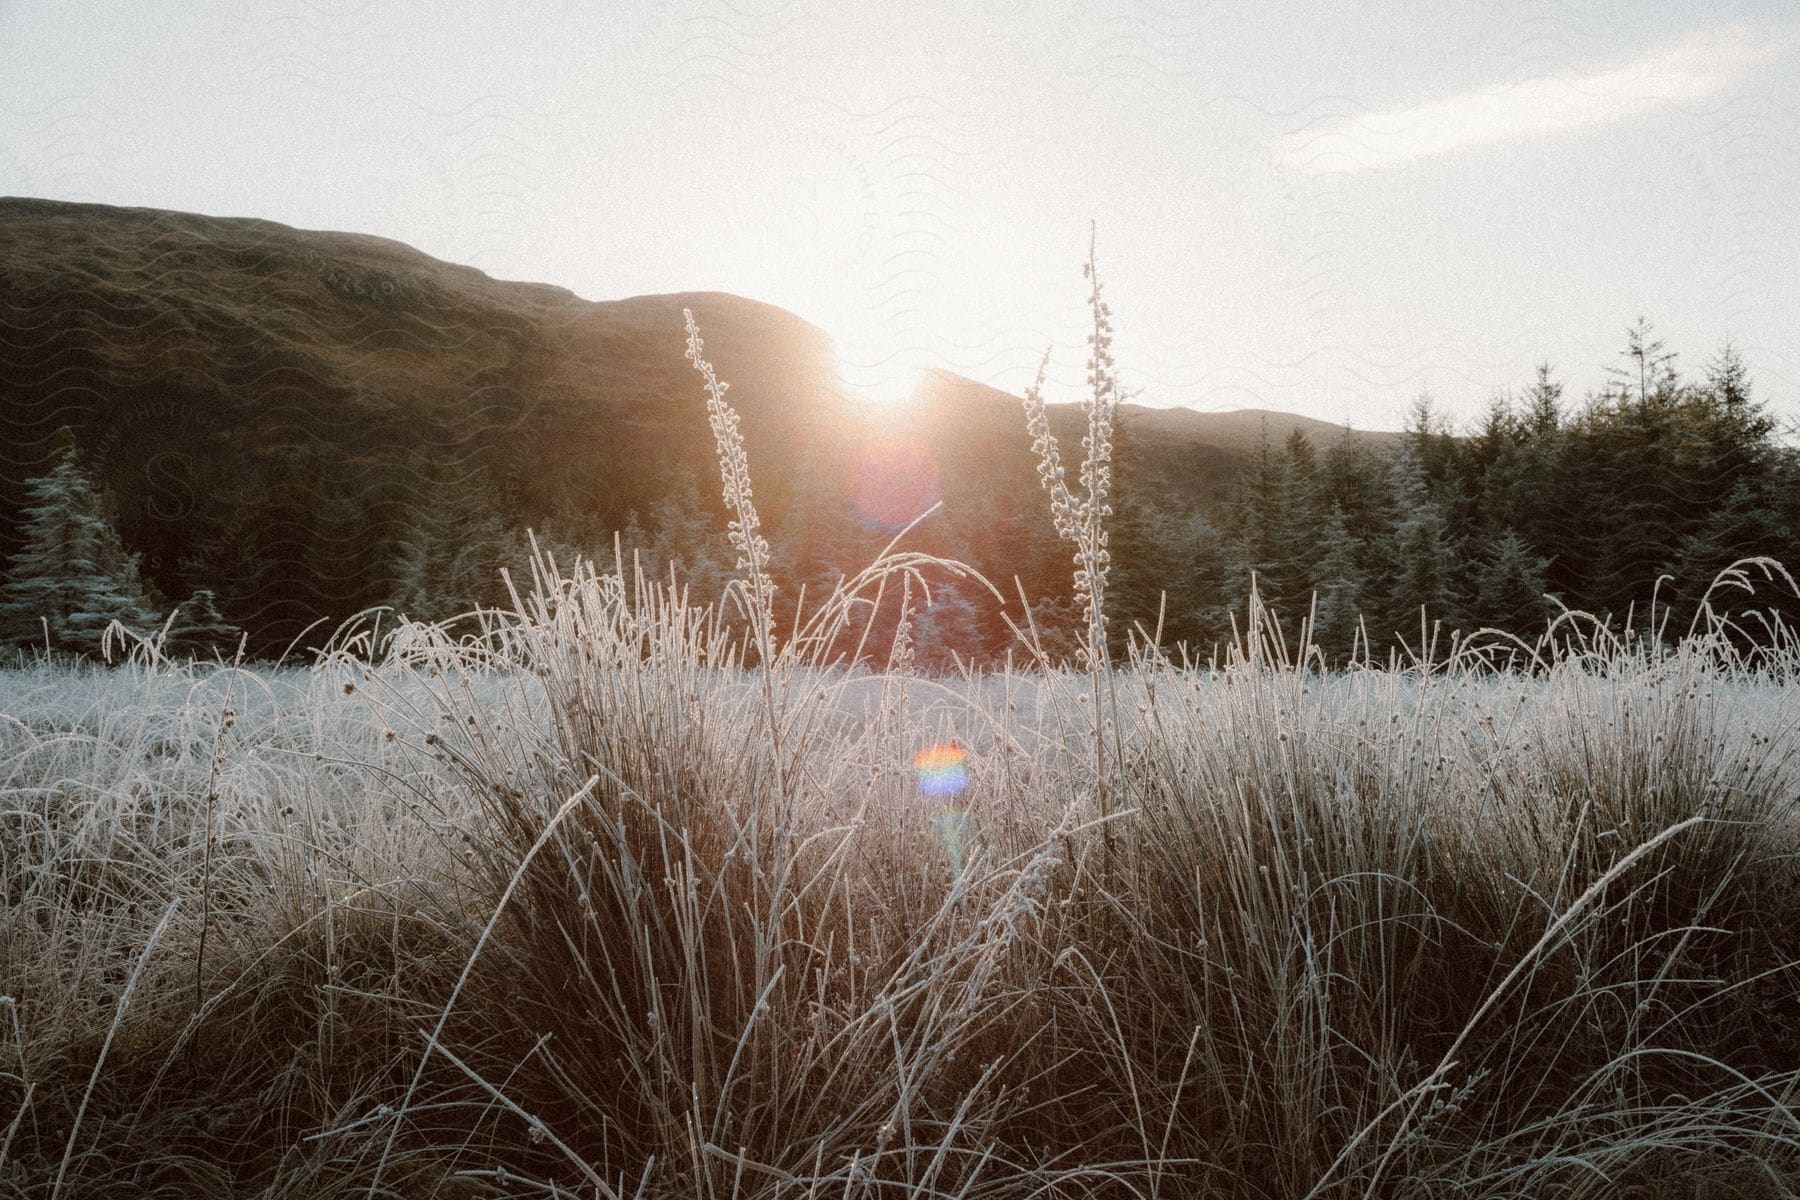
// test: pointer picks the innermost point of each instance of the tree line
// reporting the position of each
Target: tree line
(1644, 492)
(1648, 488)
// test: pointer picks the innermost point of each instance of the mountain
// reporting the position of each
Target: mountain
(279, 414)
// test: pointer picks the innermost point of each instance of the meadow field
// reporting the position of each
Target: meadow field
(578, 904)
(606, 894)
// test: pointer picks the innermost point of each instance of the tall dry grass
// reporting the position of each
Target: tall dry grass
(604, 896)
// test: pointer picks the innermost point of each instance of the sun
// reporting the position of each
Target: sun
(880, 349)
(874, 370)
(883, 387)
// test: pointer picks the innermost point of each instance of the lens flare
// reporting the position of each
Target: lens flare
(942, 770)
(892, 482)
(956, 828)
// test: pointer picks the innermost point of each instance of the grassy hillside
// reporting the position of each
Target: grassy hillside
(276, 410)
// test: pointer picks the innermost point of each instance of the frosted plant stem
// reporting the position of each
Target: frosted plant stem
(1433, 1081)
(118, 1019)
(212, 803)
(468, 967)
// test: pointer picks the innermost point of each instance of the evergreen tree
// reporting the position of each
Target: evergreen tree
(1624, 484)
(1342, 588)
(816, 545)
(1543, 407)
(1667, 478)
(72, 577)
(1352, 480)
(1195, 552)
(1058, 625)
(1741, 432)
(1650, 366)
(1430, 442)
(1146, 536)
(1298, 521)
(450, 552)
(1253, 542)
(1499, 431)
(1729, 379)
(1518, 482)
(411, 595)
(690, 541)
(1422, 563)
(200, 629)
(947, 630)
(1509, 587)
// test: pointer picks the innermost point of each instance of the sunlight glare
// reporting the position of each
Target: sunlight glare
(882, 383)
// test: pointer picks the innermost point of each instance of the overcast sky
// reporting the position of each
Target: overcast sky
(1316, 207)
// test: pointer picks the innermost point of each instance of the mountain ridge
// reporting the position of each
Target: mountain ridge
(273, 409)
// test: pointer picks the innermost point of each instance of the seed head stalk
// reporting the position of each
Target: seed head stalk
(1081, 518)
(755, 590)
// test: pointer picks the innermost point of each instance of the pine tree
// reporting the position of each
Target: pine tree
(1058, 625)
(1509, 587)
(1253, 544)
(688, 540)
(811, 547)
(1193, 598)
(449, 556)
(1667, 477)
(1342, 588)
(1430, 441)
(1421, 553)
(411, 594)
(200, 629)
(947, 630)
(1651, 366)
(1515, 478)
(1352, 480)
(1739, 431)
(1146, 540)
(1499, 431)
(1298, 520)
(1543, 406)
(73, 577)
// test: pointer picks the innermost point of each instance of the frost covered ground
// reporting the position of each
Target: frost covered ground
(585, 922)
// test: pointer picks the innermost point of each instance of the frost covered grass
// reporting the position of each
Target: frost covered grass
(542, 913)
(605, 896)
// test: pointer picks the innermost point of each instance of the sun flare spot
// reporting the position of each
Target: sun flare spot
(942, 770)
(893, 482)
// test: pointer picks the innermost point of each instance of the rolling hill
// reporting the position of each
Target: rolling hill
(277, 413)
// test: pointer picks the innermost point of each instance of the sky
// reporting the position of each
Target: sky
(1324, 208)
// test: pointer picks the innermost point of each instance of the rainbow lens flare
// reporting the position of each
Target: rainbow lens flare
(956, 828)
(942, 770)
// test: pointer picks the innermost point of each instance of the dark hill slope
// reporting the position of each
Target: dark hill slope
(274, 411)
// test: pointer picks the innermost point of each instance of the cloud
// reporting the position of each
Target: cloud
(1682, 72)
